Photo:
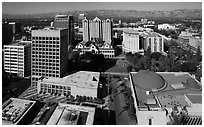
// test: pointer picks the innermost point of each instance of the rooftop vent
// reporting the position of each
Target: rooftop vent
(177, 86)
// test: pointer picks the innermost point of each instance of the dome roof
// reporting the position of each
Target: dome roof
(148, 80)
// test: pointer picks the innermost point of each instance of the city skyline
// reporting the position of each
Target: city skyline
(102, 63)
(46, 7)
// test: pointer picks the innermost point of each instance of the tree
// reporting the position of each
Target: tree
(156, 55)
(198, 54)
(148, 52)
(188, 67)
(129, 68)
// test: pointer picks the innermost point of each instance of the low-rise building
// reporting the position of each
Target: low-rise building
(14, 111)
(166, 26)
(81, 83)
(156, 94)
(67, 114)
(87, 46)
(17, 58)
(190, 42)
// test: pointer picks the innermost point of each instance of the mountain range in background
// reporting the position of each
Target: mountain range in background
(116, 14)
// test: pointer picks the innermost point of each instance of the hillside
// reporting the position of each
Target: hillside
(118, 14)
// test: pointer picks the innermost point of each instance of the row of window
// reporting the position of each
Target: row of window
(10, 64)
(45, 49)
(108, 56)
(15, 63)
(55, 86)
(13, 55)
(35, 68)
(13, 48)
(47, 75)
(63, 92)
(53, 56)
(18, 61)
(102, 51)
(46, 44)
(54, 51)
(38, 73)
(51, 62)
(105, 51)
(13, 52)
(16, 68)
(44, 38)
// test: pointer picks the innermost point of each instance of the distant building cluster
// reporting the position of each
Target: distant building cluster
(97, 29)
(97, 37)
(190, 40)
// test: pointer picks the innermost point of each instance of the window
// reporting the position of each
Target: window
(150, 121)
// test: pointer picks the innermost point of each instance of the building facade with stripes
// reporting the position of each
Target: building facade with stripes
(97, 29)
(139, 41)
(49, 53)
(17, 58)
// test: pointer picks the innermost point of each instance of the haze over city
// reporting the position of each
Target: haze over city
(42, 7)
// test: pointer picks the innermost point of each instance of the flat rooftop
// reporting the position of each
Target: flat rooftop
(66, 114)
(83, 79)
(131, 31)
(14, 109)
(176, 92)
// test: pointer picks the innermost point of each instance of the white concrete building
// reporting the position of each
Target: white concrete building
(139, 41)
(97, 29)
(166, 26)
(61, 113)
(131, 41)
(82, 83)
(49, 53)
(17, 59)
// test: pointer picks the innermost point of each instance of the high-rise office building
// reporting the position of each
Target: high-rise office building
(97, 29)
(107, 30)
(65, 22)
(49, 53)
(80, 20)
(6, 34)
(17, 59)
(86, 33)
(16, 27)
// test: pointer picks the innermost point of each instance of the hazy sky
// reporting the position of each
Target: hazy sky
(42, 7)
